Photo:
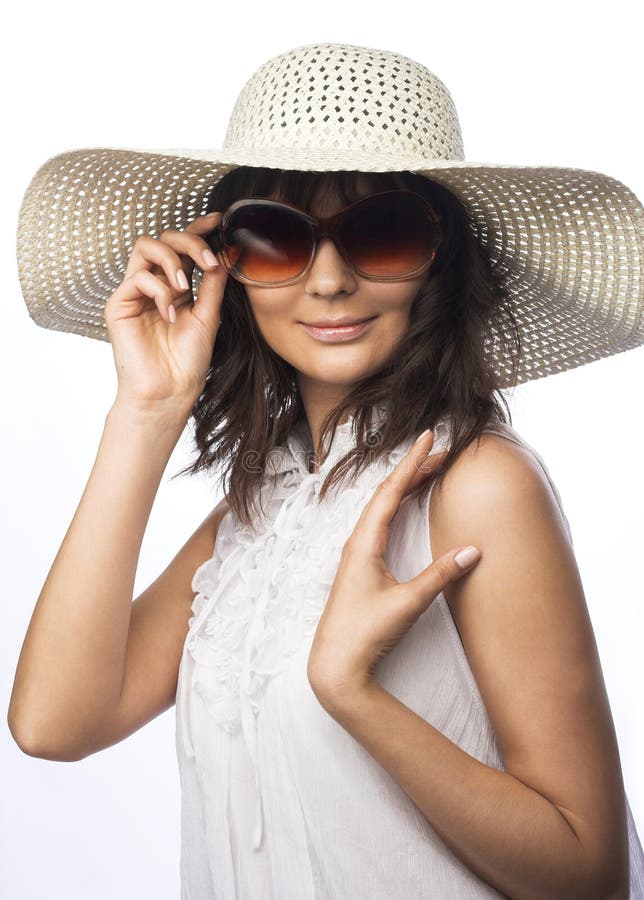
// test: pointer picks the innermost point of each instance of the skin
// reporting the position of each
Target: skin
(327, 372)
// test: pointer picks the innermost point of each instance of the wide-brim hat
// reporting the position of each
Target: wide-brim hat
(567, 242)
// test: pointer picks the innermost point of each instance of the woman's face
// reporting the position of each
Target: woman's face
(331, 290)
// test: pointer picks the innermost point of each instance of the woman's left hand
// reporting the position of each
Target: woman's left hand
(368, 611)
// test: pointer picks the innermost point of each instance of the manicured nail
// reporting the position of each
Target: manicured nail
(466, 557)
(182, 281)
(421, 436)
(209, 258)
(172, 315)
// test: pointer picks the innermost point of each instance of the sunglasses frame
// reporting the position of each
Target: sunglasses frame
(320, 227)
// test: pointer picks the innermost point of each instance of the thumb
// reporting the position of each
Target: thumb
(447, 568)
(207, 307)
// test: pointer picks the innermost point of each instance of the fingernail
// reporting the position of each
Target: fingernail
(466, 557)
(209, 258)
(182, 281)
(172, 314)
(421, 436)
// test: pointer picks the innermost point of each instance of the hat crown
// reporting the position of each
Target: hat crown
(340, 97)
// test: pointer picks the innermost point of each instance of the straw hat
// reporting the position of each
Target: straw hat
(568, 242)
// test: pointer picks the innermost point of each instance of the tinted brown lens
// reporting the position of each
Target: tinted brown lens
(389, 235)
(268, 244)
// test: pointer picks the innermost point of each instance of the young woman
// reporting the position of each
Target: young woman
(363, 709)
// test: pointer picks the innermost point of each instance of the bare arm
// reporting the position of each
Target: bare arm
(553, 824)
(70, 671)
(156, 638)
(77, 663)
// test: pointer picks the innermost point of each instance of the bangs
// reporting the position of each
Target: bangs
(305, 189)
(308, 189)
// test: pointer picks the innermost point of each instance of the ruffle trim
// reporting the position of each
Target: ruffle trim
(295, 560)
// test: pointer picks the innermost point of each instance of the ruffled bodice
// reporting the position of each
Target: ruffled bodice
(260, 596)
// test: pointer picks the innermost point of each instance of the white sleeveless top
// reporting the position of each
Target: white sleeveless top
(279, 802)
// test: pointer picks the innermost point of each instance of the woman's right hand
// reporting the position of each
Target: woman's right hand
(160, 363)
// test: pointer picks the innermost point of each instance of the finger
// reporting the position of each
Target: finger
(194, 248)
(371, 532)
(431, 462)
(175, 252)
(149, 252)
(207, 309)
(142, 285)
(205, 226)
(447, 568)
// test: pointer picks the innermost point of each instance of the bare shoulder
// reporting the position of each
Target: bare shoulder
(526, 631)
(494, 464)
(495, 476)
(497, 497)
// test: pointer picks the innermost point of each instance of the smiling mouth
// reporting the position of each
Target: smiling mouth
(335, 334)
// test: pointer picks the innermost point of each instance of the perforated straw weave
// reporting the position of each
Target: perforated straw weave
(568, 242)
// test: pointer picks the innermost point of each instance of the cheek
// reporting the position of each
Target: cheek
(273, 316)
(402, 297)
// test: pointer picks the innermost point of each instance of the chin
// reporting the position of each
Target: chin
(340, 375)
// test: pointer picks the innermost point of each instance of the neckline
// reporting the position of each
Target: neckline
(294, 454)
(300, 445)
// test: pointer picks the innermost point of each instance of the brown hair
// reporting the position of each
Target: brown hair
(251, 399)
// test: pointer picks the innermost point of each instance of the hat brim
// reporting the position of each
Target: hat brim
(568, 242)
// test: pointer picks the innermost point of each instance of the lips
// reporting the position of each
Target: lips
(337, 323)
(340, 333)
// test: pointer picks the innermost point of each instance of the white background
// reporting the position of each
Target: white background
(547, 83)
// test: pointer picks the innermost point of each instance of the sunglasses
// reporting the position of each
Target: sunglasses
(389, 236)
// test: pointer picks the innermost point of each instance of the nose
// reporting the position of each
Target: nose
(330, 274)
